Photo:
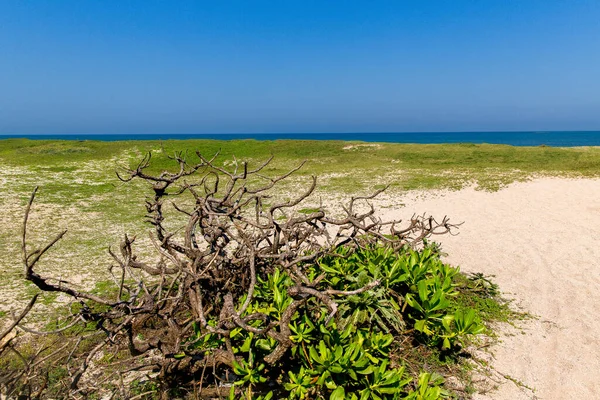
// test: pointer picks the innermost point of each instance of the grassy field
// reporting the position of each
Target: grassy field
(80, 191)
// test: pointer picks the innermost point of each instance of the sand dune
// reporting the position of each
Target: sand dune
(541, 240)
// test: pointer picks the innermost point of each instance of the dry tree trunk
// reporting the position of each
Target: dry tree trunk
(209, 265)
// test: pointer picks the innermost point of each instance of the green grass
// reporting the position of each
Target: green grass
(481, 294)
(73, 171)
(308, 210)
(422, 166)
(478, 292)
(79, 190)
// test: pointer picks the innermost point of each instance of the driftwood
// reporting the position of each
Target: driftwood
(209, 265)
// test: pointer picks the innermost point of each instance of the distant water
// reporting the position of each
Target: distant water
(553, 138)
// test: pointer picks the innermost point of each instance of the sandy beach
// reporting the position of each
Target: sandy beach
(540, 239)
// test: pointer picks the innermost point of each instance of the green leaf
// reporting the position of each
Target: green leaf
(420, 325)
(314, 355)
(268, 396)
(330, 384)
(338, 352)
(365, 394)
(446, 344)
(423, 291)
(247, 344)
(338, 394)
(447, 322)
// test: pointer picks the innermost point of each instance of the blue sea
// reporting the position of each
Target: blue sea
(550, 138)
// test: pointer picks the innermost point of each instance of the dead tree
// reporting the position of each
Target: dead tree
(229, 236)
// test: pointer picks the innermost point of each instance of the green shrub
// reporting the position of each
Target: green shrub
(272, 307)
(355, 356)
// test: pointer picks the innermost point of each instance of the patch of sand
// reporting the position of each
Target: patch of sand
(364, 146)
(541, 240)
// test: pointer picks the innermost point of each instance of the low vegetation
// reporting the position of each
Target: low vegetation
(340, 165)
(80, 191)
(251, 295)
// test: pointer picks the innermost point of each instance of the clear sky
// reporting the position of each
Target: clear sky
(298, 66)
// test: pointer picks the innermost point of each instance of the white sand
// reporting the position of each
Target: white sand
(541, 240)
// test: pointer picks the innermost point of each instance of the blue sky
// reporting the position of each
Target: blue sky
(298, 66)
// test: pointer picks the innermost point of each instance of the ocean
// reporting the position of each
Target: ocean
(546, 138)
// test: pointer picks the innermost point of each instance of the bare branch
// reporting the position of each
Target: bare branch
(225, 240)
(9, 328)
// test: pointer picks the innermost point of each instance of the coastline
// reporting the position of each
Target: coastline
(512, 138)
